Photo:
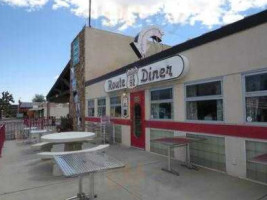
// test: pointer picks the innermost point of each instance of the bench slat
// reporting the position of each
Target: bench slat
(50, 155)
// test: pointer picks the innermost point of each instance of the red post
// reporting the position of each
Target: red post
(2, 138)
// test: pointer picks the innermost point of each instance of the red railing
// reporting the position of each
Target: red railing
(40, 122)
(2, 138)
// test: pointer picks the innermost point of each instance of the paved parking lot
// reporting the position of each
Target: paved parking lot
(24, 176)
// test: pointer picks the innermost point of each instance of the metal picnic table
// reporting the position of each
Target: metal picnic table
(84, 164)
(37, 133)
(174, 142)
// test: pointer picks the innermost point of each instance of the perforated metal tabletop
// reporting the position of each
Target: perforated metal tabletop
(86, 163)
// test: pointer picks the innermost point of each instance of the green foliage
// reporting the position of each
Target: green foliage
(66, 124)
(5, 103)
(38, 98)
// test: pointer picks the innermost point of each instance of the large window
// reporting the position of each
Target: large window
(91, 108)
(101, 107)
(256, 97)
(204, 101)
(115, 106)
(209, 151)
(162, 104)
(256, 170)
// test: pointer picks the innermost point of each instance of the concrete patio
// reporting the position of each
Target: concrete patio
(24, 176)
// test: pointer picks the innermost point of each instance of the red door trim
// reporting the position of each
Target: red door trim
(140, 142)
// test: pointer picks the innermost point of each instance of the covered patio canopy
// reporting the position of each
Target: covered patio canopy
(60, 92)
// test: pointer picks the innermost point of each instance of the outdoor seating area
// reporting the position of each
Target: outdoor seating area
(44, 164)
(24, 176)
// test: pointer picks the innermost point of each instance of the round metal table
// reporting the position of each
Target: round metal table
(72, 140)
(38, 133)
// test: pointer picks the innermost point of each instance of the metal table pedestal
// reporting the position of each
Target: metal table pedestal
(83, 196)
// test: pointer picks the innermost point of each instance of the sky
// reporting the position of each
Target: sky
(35, 35)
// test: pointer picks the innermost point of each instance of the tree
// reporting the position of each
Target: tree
(38, 98)
(5, 103)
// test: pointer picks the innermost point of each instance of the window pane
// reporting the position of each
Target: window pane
(91, 103)
(157, 147)
(209, 152)
(91, 112)
(101, 102)
(204, 89)
(161, 94)
(115, 100)
(256, 171)
(161, 111)
(115, 111)
(211, 110)
(256, 82)
(101, 111)
(256, 109)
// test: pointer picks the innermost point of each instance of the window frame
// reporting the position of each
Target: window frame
(110, 105)
(162, 101)
(101, 98)
(204, 98)
(246, 94)
(90, 107)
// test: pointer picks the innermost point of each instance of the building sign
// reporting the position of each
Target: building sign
(116, 83)
(73, 79)
(124, 105)
(75, 52)
(132, 78)
(170, 68)
(141, 45)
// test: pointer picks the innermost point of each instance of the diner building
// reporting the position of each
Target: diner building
(213, 87)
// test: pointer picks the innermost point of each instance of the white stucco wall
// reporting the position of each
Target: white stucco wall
(226, 59)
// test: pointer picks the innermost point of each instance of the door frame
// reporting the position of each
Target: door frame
(138, 142)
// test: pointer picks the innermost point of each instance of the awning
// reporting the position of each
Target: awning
(60, 92)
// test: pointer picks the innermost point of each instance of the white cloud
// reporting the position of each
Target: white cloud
(60, 4)
(231, 17)
(243, 5)
(30, 4)
(56, 77)
(124, 13)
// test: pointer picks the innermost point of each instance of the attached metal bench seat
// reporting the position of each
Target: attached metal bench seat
(43, 146)
(50, 155)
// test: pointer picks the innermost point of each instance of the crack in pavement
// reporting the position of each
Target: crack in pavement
(32, 188)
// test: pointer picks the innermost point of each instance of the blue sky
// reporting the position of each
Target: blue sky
(35, 37)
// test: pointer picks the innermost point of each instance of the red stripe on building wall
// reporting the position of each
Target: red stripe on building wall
(126, 122)
(244, 131)
(92, 119)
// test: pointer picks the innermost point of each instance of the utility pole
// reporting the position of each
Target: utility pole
(90, 7)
